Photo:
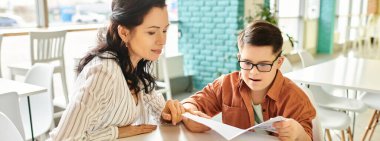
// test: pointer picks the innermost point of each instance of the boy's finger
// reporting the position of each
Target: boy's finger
(182, 110)
(190, 111)
(277, 124)
(201, 114)
(166, 116)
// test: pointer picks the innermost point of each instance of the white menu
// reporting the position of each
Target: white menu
(230, 132)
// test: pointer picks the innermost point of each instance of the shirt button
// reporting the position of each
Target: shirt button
(264, 110)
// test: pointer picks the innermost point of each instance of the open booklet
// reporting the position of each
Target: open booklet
(230, 132)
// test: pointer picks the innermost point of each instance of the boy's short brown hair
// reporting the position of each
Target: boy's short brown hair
(261, 33)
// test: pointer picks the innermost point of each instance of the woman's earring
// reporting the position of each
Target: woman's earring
(124, 44)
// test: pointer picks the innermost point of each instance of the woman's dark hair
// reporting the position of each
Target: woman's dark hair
(127, 13)
(261, 33)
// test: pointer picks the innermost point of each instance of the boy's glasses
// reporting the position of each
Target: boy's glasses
(246, 65)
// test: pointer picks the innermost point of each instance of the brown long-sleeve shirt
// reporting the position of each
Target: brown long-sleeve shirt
(231, 96)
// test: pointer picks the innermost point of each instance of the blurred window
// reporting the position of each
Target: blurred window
(17, 13)
(350, 22)
(289, 18)
(172, 34)
(66, 12)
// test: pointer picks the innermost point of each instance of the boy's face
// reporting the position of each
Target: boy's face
(263, 56)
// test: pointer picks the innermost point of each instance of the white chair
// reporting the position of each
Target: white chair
(9, 105)
(317, 130)
(372, 101)
(338, 103)
(1, 39)
(357, 42)
(362, 42)
(328, 119)
(286, 66)
(163, 86)
(329, 101)
(46, 47)
(41, 104)
(8, 131)
(306, 58)
(334, 120)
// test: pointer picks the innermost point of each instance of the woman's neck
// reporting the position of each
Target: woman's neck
(135, 60)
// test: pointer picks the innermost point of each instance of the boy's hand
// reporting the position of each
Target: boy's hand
(195, 126)
(290, 130)
(173, 111)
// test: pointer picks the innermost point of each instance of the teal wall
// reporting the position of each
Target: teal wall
(208, 37)
(326, 27)
(267, 3)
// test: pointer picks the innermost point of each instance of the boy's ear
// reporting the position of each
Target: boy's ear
(124, 33)
(280, 61)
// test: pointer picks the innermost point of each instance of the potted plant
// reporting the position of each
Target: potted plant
(264, 13)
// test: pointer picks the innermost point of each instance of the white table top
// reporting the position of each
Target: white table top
(180, 133)
(23, 89)
(342, 72)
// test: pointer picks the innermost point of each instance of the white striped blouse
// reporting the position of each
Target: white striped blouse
(102, 102)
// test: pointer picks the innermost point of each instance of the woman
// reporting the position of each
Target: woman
(114, 94)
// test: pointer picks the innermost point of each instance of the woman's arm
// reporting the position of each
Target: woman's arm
(84, 110)
(154, 104)
(170, 110)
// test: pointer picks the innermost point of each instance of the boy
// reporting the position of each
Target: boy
(256, 93)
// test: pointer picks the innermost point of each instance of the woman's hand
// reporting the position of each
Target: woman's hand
(290, 130)
(133, 130)
(195, 126)
(173, 111)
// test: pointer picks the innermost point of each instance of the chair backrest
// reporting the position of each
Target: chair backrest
(320, 95)
(9, 105)
(371, 100)
(40, 104)
(1, 39)
(47, 46)
(317, 130)
(306, 58)
(8, 131)
(286, 66)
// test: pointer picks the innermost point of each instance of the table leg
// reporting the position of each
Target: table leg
(354, 116)
(30, 118)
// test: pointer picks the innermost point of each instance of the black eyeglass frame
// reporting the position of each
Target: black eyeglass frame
(256, 65)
